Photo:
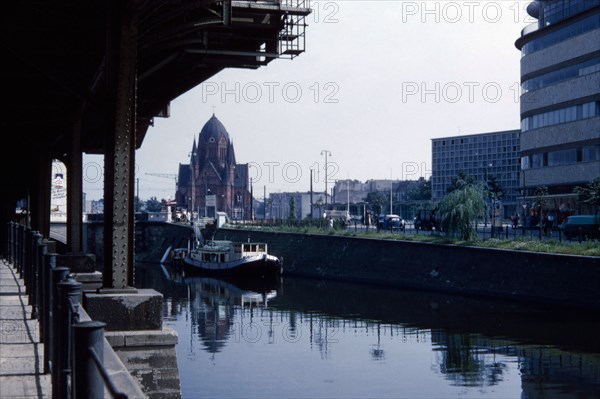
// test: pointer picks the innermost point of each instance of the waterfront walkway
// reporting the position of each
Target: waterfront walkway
(21, 353)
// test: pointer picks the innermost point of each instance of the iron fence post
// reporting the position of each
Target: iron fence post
(13, 243)
(27, 262)
(42, 248)
(57, 275)
(46, 326)
(88, 336)
(19, 254)
(9, 243)
(68, 307)
(36, 257)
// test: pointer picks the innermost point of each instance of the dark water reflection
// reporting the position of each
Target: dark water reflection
(321, 339)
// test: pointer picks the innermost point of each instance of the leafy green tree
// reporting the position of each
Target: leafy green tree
(495, 190)
(460, 210)
(153, 205)
(421, 191)
(377, 201)
(292, 215)
(590, 194)
(460, 181)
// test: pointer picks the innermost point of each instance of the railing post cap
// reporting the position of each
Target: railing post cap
(91, 324)
(70, 282)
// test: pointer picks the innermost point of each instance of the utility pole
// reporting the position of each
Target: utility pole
(137, 208)
(326, 153)
(391, 190)
(311, 193)
(251, 199)
(348, 196)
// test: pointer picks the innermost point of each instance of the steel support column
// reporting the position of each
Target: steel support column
(75, 189)
(119, 160)
(41, 221)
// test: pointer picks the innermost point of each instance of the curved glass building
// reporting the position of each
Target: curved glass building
(560, 100)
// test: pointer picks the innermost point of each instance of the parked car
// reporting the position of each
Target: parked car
(425, 224)
(588, 226)
(391, 222)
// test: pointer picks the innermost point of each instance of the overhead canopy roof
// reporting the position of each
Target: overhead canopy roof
(53, 62)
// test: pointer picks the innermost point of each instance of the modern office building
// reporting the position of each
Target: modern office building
(560, 100)
(482, 156)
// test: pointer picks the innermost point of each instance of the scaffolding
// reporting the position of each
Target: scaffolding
(292, 39)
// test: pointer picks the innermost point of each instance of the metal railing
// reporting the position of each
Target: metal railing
(73, 349)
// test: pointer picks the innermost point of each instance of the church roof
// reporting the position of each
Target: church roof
(213, 129)
(184, 174)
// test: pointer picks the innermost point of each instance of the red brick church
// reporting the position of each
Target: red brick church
(213, 181)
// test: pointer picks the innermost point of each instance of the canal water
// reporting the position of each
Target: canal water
(299, 338)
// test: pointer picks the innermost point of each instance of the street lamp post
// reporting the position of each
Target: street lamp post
(251, 199)
(311, 193)
(326, 153)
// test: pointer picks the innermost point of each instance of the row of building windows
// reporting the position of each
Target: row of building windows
(561, 75)
(478, 148)
(477, 151)
(563, 115)
(478, 141)
(559, 10)
(585, 25)
(447, 166)
(561, 157)
(453, 156)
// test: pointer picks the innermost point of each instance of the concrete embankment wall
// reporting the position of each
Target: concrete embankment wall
(151, 240)
(518, 275)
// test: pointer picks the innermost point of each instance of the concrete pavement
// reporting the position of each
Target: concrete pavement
(21, 353)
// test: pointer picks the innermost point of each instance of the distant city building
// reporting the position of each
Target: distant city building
(58, 196)
(278, 205)
(356, 192)
(213, 181)
(96, 207)
(482, 156)
(560, 101)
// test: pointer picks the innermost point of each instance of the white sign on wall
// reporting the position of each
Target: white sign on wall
(211, 200)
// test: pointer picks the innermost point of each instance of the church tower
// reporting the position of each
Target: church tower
(213, 181)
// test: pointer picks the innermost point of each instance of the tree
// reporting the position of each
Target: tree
(292, 215)
(589, 194)
(377, 200)
(421, 191)
(540, 194)
(460, 210)
(494, 188)
(460, 181)
(153, 205)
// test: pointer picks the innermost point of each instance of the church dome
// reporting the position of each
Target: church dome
(212, 131)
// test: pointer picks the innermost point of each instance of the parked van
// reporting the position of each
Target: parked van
(343, 216)
(586, 225)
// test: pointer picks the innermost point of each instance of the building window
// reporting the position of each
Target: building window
(525, 162)
(591, 153)
(537, 160)
(562, 157)
(560, 75)
(563, 115)
(583, 26)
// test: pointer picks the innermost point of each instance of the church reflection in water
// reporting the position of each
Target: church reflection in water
(474, 342)
(215, 303)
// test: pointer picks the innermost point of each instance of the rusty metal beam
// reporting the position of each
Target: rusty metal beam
(119, 161)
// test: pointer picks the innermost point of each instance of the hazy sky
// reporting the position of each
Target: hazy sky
(378, 81)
